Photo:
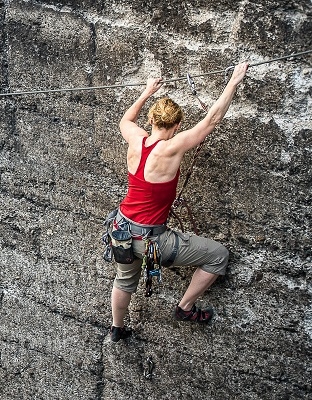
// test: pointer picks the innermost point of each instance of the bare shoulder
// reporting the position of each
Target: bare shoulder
(176, 145)
(135, 140)
(188, 139)
(132, 132)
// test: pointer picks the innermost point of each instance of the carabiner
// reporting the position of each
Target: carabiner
(226, 72)
(191, 83)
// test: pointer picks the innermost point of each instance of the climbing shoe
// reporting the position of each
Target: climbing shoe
(194, 315)
(117, 333)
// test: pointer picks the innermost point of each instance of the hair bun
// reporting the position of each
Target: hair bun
(165, 113)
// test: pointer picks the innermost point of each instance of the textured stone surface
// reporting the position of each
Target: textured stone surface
(62, 168)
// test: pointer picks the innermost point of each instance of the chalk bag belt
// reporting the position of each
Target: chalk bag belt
(143, 231)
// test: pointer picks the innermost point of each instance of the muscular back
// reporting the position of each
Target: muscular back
(162, 164)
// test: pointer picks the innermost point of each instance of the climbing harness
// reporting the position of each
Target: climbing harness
(151, 265)
(117, 239)
(122, 85)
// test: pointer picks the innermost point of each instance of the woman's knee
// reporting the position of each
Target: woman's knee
(218, 261)
(223, 254)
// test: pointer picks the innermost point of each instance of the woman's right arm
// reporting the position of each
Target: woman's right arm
(192, 137)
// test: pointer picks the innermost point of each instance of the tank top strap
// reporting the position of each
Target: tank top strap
(145, 152)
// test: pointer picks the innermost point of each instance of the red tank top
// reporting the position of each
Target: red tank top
(146, 202)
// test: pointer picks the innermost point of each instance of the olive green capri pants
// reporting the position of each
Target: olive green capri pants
(193, 250)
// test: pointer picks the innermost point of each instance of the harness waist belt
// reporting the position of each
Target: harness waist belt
(149, 230)
(144, 230)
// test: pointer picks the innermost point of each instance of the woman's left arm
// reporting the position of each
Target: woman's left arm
(127, 123)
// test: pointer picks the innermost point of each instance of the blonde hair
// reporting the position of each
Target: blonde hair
(165, 113)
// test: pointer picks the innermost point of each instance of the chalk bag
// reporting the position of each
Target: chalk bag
(122, 246)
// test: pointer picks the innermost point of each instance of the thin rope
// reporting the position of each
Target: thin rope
(115, 86)
(179, 201)
(281, 58)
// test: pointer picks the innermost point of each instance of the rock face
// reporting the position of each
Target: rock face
(62, 169)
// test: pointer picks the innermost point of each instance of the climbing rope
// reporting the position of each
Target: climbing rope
(180, 201)
(123, 85)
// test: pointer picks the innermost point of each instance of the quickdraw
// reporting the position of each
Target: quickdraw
(227, 72)
(151, 265)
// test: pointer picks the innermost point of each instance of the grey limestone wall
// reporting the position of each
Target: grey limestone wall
(62, 169)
